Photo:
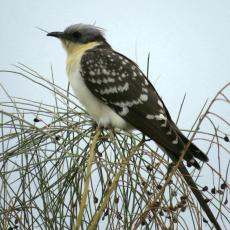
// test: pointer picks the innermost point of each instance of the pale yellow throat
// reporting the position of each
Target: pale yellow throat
(75, 52)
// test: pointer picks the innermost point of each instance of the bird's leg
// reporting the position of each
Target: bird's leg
(108, 135)
(104, 129)
(94, 125)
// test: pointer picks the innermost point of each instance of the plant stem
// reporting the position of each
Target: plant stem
(87, 178)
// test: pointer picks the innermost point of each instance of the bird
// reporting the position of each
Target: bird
(116, 93)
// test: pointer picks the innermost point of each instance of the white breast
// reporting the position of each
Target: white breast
(100, 112)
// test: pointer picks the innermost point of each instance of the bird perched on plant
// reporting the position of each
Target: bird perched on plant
(116, 93)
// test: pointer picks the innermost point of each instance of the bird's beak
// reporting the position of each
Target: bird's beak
(56, 34)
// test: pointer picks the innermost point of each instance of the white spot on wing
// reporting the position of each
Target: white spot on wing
(99, 81)
(160, 117)
(103, 80)
(140, 73)
(105, 71)
(108, 90)
(169, 132)
(103, 99)
(175, 141)
(133, 67)
(146, 82)
(91, 73)
(164, 124)
(124, 111)
(144, 97)
(93, 80)
(123, 88)
(150, 116)
(160, 103)
(113, 73)
(108, 80)
(115, 89)
(127, 103)
(144, 90)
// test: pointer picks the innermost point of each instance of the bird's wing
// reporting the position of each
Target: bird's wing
(119, 83)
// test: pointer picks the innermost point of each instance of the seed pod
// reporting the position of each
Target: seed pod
(205, 188)
(36, 119)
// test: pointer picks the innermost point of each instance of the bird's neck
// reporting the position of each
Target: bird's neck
(74, 49)
(75, 52)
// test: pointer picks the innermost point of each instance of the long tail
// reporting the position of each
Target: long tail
(198, 195)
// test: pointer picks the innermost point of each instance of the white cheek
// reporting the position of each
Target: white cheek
(67, 45)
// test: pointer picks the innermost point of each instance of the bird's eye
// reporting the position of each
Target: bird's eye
(76, 35)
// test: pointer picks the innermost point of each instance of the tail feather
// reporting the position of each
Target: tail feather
(196, 192)
(194, 163)
(198, 153)
(193, 149)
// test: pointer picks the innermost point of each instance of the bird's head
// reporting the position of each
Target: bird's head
(79, 35)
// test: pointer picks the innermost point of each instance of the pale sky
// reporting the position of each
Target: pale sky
(188, 42)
